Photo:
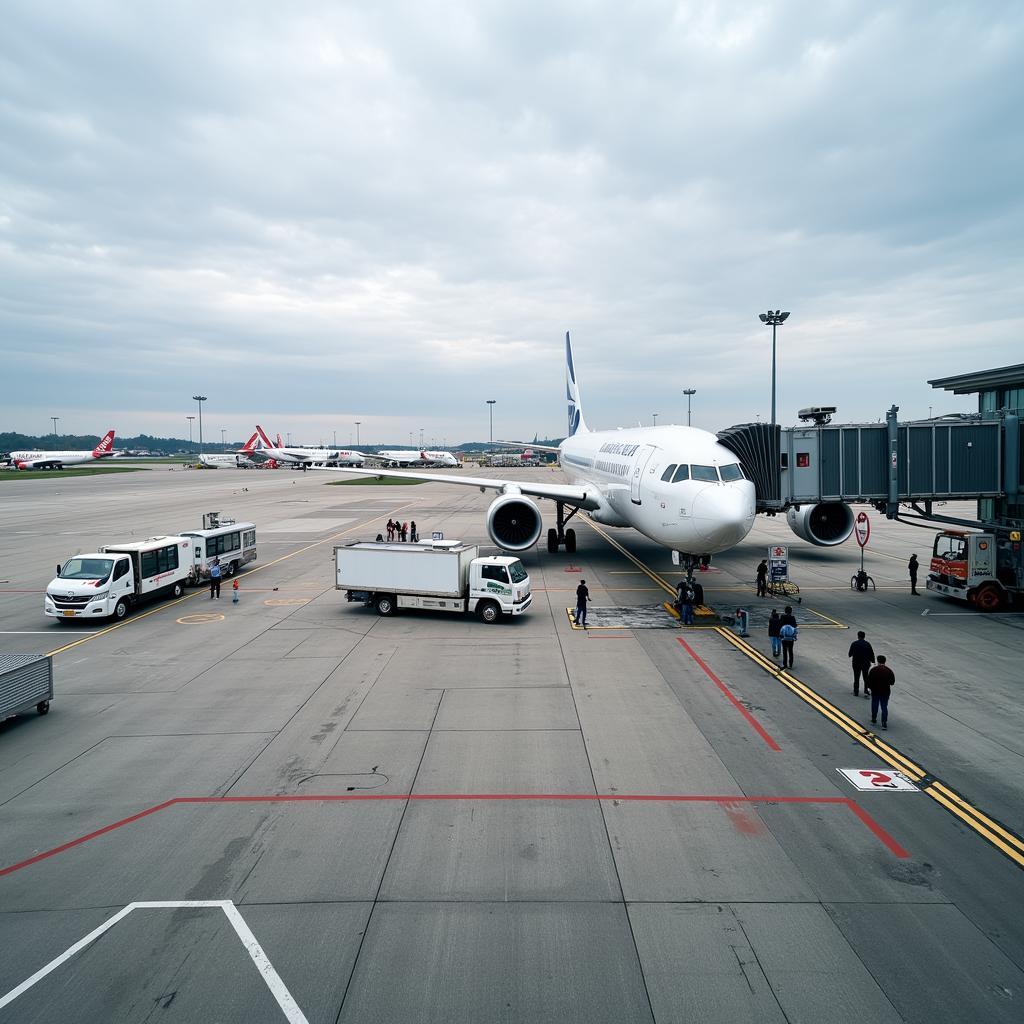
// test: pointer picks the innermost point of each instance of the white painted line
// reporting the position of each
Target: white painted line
(43, 632)
(270, 977)
(869, 780)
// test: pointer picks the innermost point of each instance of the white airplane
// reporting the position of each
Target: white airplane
(676, 485)
(407, 457)
(232, 460)
(58, 460)
(304, 457)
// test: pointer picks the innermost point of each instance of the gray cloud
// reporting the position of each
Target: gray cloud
(318, 213)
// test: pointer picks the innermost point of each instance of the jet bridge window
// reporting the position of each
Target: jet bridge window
(667, 475)
(494, 572)
(682, 473)
(731, 472)
(707, 473)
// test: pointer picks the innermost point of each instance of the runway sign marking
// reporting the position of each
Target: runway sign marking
(200, 618)
(871, 780)
(274, 601)
(277, 987)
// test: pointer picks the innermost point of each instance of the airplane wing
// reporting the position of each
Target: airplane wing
(529, 444)
(581, 497)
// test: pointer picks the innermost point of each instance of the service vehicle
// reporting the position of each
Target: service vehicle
(108, 582)
(985, 569)
(233, 543)
(443, 575)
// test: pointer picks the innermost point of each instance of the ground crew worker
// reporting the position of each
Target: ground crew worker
(215, 579)
(912, 569)
(762, 579)
(582, 596)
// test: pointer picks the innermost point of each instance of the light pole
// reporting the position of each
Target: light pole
(773, 320)
(490, 413)
(421, 437)
(54, 418)
(289, 438)
(689, 392)
(358, 422)
(190, 419)
(223, 443)
(200, 399)
(655, 415)
(335, 439)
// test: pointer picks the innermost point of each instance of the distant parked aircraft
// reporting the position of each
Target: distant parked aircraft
(58, 460)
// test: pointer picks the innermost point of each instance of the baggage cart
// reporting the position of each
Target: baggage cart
(26, 682)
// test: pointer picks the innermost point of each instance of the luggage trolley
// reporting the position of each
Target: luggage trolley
(26, 682)
(784, 589)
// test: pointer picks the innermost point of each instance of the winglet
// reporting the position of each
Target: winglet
(105, 447)
(572, 393)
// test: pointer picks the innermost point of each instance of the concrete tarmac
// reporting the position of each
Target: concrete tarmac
(292, 809)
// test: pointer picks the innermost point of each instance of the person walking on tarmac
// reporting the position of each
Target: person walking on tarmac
(413, 535)
(881, 679)
(582, 597)
(912, 569)
(774, 625)
(762, 578)
(215, 579)
(788, 636)
(863, 657)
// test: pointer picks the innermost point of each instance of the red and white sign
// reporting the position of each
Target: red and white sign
(862, 528)
(878, 779)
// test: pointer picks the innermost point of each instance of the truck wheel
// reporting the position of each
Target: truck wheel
(989, 598)
(488, 611)
(43, 707)
(552, 541)
(120, 609)
(385, 605)
(232, 568)
(178, 589)
(570, 542)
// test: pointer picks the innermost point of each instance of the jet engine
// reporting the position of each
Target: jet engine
(826, 525)
(514, 522)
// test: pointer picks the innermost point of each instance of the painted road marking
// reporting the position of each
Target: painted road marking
(200, 618)
(189, 597)
(993, 831)
(871, 780)
(271, 978)
(880, 833)
(286, 600)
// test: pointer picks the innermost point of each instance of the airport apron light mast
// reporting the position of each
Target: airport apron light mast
(190, 446)
(773, 320)
(689, 392)
(200, 399)
(490, 411)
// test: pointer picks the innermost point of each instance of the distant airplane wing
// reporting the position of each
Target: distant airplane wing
(581, 497)
(530, 444)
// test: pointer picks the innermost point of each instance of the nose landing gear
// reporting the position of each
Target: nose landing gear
(558, 535)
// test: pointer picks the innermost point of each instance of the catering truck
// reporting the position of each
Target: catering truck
(107, 583)
(441, 575)
(984, 569)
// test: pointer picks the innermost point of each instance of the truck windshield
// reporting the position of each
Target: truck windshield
(952, 549)
(86, 569)
(517, 571)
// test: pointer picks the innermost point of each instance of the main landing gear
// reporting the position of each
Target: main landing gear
(559, 535)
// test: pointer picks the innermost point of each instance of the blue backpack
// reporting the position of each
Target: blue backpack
(788, 632)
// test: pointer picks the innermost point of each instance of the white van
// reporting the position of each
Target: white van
(108, 582)
(234, 544)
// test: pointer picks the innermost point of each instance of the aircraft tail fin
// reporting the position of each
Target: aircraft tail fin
(250, 445)
(280, 443)
(105, 447)
(572, 393)
(263, 437)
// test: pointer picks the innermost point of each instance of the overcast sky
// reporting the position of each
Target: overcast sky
(321, 213)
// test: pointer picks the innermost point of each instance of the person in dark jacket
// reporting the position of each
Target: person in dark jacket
(788, 636)
(413, 535)
(762, 578)
(912, 566)
(881, 680)
(862, 656)
(788, 618)
(774, 625)
(582, 596)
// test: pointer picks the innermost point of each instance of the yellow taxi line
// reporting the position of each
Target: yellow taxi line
(189, 597)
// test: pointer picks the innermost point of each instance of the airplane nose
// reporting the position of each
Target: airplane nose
(723, 516)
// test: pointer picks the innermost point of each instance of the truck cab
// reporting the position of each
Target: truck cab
(499, 578)
(984, 569)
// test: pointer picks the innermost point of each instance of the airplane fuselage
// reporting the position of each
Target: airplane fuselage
(407, 457)
(40, 460)
(676, 485)
(328, 456)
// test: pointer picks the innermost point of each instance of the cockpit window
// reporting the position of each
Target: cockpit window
(705, 473)
(731, 472)
(682, 473)
(667, 475)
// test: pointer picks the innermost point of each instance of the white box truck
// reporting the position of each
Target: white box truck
(107, 583)
(440, 575)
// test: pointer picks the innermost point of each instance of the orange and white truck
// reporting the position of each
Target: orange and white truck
(984, 569)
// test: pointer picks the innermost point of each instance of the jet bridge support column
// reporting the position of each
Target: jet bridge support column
(892, 506)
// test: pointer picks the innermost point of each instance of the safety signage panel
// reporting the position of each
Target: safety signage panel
(862, 528)
(778, 563)
(878, 779)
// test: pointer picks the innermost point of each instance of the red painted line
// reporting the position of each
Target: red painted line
(84, 839)
(752, 721)
(879, 832)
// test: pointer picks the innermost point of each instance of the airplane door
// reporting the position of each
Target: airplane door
(642, 458)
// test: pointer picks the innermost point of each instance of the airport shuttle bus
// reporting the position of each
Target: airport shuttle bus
(234, 544)
(107, 583)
